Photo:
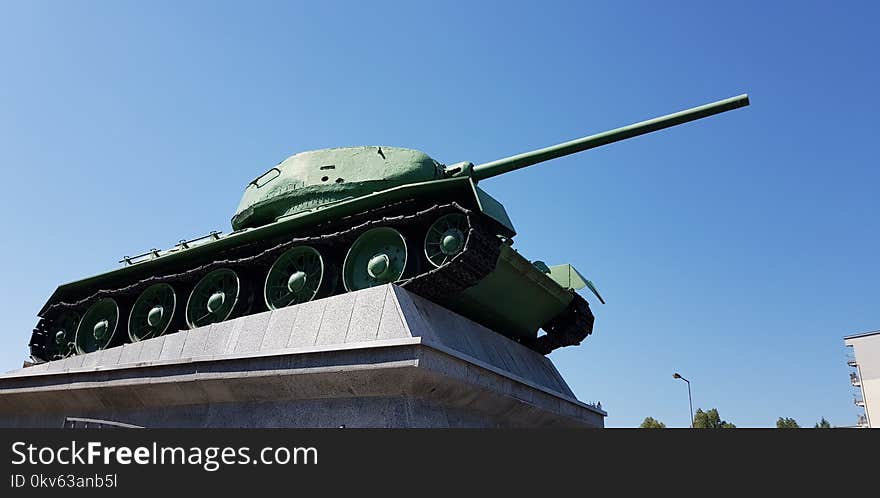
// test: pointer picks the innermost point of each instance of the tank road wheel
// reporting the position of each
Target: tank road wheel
(152, 312)
(213, 298)
(445, 238)
(294, 278)
(62, 336)
(97, 326)
(377, 257)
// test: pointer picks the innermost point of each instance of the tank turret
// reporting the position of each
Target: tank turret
(336, 220)
(322, 177)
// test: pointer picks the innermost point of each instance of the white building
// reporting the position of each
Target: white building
(865, 358)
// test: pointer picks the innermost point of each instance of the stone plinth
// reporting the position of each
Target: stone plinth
(379, 357)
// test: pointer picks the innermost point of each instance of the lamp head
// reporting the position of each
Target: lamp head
(676, 376)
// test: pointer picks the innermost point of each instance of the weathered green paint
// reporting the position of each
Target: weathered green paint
(317, 178)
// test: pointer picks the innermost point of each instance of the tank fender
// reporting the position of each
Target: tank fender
(567, 276)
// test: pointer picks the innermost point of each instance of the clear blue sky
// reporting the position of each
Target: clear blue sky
(738, 250)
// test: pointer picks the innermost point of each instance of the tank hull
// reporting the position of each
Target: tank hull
(515, 298)
(480, 282)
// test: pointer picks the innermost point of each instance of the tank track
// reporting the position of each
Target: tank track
(569, 328)
(472, 264)
(40, 341)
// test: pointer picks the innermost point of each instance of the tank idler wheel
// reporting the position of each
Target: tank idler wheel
(445, 238)
(213, 298)
(152, 312)
(377, 257)
(62, 336)
(97, 327)
(294, 278)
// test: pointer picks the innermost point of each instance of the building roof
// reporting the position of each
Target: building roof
(863, 334)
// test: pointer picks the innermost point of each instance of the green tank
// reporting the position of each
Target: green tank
(330, 221)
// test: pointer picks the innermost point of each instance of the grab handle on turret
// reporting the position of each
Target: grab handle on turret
(501, 166)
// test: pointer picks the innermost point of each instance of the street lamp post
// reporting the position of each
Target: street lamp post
(676, 375)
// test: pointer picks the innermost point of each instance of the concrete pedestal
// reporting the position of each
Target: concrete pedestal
(379, 357)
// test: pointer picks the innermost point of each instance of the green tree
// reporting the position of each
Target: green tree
(710, 420)
(787, 423)
(652, 423)
(822, 424)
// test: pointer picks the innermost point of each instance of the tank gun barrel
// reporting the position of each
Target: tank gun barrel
(501, 166)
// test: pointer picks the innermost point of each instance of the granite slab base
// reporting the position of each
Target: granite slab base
(379, 357)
